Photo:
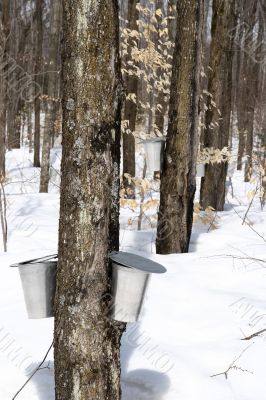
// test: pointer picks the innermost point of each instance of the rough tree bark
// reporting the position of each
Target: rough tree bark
(38, 79)
(130, 112)
(53, 77)
(171, 23)
(12, 33)
(248, 78)
(87, 362)
(252, 84)
(217, 117)
(239, 90)
(205, 62)
(2, 108)
(178, 182)
(160, 97)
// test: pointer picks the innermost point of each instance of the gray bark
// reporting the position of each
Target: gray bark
(87, 343)
(53, 78)
(178, 182)
(217, 117)
(130, 112)
(38, 79)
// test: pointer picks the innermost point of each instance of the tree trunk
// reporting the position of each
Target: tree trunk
(53, 77)
(160, 96)
(18, 122)
(178, 176)
(2, 135)
(205, 63)
(252, 84)
(87, 362)
(236, 73)
(29, 126)
(130, 112)
(2, 111)
(249, 117)
(246, 95)
(217, 117)
(12, 74)
(38, 80)
(171, 23)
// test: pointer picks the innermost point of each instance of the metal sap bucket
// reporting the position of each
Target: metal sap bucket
(154, 151)
(200, 171)
(231, 169)
(130, 278)
(38, 278)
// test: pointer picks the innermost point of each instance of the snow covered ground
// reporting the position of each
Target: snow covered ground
(194, 316)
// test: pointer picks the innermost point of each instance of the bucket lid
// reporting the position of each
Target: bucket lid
(35, 260)
(130, 260)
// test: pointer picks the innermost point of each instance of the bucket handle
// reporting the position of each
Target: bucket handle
(35, 260)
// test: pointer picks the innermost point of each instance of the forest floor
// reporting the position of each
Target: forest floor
(194, 318)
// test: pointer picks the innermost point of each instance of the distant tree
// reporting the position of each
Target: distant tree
(178, 182)
(248, 71)
(251, 82)
(53, 73)
(130, 111)
(38, 78)
(218, 113)
(2, 108)
(87, 344)
(12, 26)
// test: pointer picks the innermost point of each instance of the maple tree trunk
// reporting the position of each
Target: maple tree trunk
(2, 110)
(38, 79)
(253, 93)
(53, 77)
(130, 113)
(13, 136)
(87, 343)
(218, 114)
(178, 181)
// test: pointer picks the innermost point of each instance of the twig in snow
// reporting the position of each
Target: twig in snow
(233, 366)
(254, 334)
(3, 208)
(251, 227)
(237, 257)
(142, 198)
(212, 222)
(250, 204)
(35, 371)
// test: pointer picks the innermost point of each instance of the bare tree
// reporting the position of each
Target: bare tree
(130, 112)
(178, 182)
(38, 78)
(52, 96)
(87, 362)
(248, 72)
(218, 113)
(2, 108)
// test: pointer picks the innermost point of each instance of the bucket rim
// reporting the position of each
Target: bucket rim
(35, 261)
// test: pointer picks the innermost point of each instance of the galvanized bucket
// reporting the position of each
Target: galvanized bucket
(38, 278)
(130, 278)
(154, 150)
(200, 170)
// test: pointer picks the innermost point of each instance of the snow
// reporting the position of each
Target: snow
(194, 316)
